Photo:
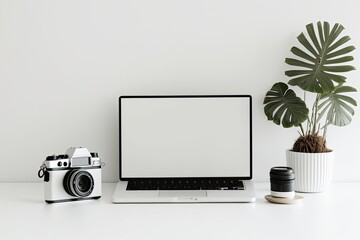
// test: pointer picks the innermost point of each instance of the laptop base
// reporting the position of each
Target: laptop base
(121, 195)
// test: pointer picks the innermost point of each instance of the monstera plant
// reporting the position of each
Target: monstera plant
(316, 68)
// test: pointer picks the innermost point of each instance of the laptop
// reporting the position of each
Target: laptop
(185, 149)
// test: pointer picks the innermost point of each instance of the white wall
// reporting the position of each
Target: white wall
(63, 65)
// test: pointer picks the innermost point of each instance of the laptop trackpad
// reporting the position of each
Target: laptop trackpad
(182, 194)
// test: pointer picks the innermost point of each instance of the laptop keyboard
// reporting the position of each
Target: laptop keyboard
(185, 184)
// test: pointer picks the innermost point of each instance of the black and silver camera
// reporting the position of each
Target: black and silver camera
(75, 175)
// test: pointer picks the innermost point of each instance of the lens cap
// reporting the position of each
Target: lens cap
(282, 173)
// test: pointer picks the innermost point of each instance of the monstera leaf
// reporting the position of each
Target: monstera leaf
(316, 68)
(337, 106)
(282, 105)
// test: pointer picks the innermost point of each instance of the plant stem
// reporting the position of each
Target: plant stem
(315, 113)
(307, 122)
(311, 122)
(302, 130)
(325, 129)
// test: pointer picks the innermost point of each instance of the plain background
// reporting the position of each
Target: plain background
(63, 65)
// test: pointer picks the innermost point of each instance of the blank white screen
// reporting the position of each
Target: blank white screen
(185, 137)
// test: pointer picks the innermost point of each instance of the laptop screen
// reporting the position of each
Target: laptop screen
(185, 136)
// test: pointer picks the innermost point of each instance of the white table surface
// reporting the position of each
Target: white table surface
(331, 215)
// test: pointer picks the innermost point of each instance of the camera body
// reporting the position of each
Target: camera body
(75, 175)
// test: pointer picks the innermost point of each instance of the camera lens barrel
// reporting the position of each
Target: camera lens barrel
(78, 183)
(282, 182)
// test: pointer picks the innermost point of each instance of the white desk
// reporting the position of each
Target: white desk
(331, 215)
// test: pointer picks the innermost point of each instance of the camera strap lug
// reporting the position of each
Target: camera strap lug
(44, 173)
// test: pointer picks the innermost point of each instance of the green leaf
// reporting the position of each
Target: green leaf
(342, 89)
(302, 39)
(337, 107)
(343, 68)
(307, 82)
(294, 62)
(339, 60)
(292, 73)
(340, 42)
(326, 31)
(315, 63)
(340, 52)
(327, 84)
(311, 32)
(321, 33)
(283, 106)
(302, 54)
(335, 32)
(337, 78)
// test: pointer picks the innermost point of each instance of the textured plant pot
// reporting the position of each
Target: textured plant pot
(313, 171)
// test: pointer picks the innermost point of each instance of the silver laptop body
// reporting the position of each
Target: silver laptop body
(181, 149)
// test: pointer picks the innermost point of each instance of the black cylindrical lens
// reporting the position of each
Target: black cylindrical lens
(78, 183)
(282, 182)
(83, 183)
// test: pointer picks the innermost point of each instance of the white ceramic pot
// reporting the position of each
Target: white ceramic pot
(313, 171)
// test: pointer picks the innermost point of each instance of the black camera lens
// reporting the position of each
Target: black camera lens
(83, 183)
(78, 183)
(282, 182)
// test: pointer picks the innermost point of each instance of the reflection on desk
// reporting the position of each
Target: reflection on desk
(330, 215)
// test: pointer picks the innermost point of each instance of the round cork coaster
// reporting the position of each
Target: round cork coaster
(296, 199)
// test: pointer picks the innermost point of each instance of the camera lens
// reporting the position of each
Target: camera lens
(78, 183)
(282, 181)
(83, 183)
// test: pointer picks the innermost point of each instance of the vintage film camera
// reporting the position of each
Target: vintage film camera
(73, 176)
